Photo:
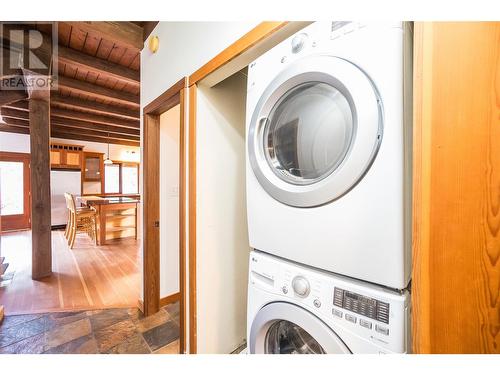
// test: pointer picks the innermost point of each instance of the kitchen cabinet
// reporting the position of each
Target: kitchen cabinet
(93, 166)
(65, 156)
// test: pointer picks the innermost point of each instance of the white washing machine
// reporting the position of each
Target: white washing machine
(329, 150)
(294, 309)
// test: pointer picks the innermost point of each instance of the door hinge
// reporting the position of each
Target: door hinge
(156, 224)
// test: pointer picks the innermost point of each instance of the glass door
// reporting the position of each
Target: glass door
(285, 328)
(15, 202)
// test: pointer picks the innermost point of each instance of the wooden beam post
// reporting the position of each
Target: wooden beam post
(41, 264)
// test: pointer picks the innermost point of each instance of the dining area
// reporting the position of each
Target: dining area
(101, 219)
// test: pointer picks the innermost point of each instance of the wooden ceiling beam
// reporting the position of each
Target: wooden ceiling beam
(13, 95)
(97, 133)
(9, 114)
(16, 122)
(61, 129)
(81, 137)
(14, 129)
(77, 115)
(10, 96)
(99, 108)
(90, 117)
(98, 127)
(99, 66)
(100, 92)
(126, 34)
(147, 28)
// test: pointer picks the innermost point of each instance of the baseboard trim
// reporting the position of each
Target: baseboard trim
(163, 301)
(170, 299)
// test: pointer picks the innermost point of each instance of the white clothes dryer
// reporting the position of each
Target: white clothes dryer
(329, 150)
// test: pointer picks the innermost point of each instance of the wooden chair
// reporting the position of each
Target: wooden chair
(79, 220)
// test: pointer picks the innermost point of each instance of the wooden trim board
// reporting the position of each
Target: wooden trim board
(192, 221)
(170, 299)
(260, 32)
(151, 233)
(182, 219)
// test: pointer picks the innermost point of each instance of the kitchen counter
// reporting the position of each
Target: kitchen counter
(95, 200)
(116, 216)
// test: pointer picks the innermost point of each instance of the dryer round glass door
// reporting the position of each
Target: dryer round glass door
(284, 328)
(315, 131)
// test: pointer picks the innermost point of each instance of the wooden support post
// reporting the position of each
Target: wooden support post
(39, 110)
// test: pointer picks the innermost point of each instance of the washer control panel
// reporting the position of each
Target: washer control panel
(361, 312)
(369, 307)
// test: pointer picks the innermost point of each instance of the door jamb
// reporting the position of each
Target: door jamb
(151, 195)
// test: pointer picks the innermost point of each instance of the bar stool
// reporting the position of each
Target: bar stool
(79, 220)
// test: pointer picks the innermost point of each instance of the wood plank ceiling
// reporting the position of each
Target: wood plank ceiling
(98, 87)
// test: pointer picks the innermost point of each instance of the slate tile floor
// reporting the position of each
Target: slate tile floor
(114, 331)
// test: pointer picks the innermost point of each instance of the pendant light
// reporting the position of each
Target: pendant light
(108, 161)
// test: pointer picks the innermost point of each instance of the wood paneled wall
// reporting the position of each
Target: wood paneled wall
(456, 280)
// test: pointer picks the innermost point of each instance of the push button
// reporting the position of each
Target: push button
(337, 313)
(350, 318)
(381, 329)
(365, 323)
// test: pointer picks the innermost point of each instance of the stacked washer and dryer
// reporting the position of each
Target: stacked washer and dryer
(329, 191)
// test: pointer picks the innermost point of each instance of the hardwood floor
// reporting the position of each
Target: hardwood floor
(86, 278)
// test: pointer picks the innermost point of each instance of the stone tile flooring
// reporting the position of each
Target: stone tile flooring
(114, 331)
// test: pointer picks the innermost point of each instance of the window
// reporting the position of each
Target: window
(130, 179)
(112, 178)
(121, 178)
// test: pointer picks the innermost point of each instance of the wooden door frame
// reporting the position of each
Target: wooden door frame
(24, 158)
(151, 194)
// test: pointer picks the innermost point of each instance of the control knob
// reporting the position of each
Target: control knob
(301, 286)
(298, 42)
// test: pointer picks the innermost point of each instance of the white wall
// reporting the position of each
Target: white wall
(169, 204)
(11, 142)
(222, 239)
(184, 47)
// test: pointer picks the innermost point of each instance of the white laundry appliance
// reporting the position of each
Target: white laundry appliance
(329, 150)
(293, 309)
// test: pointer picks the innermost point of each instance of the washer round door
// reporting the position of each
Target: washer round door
(284, 328)
(315, 131)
